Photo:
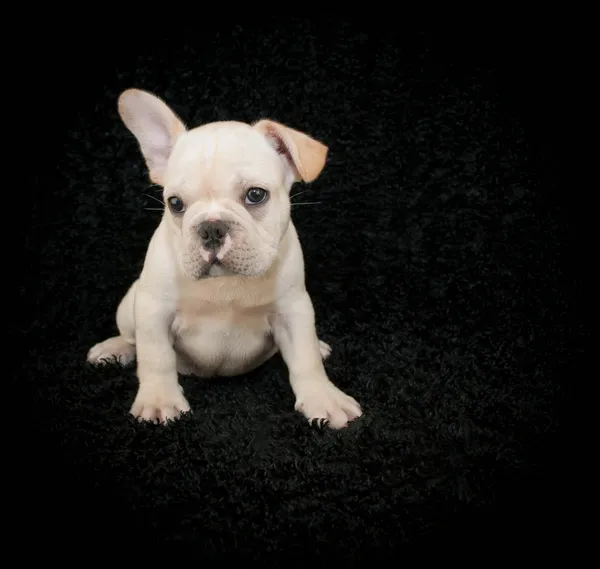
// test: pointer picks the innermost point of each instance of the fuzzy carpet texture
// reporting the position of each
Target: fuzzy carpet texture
(433, 257)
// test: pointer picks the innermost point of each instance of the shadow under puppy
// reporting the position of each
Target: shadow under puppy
(222, 288)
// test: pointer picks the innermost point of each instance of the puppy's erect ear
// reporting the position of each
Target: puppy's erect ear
(155, 126)
(305, 155)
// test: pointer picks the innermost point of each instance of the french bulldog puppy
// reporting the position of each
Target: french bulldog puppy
(222, 287)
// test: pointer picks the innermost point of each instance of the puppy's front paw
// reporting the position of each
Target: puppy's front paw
(321, 400)
(159, 403)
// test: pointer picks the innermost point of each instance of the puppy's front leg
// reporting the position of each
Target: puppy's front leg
(159, 397)
(295, 335)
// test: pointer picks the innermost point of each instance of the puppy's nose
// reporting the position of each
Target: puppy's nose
(212, 233)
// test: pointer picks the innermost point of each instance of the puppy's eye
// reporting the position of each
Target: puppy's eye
(176, 204)
(255, 196)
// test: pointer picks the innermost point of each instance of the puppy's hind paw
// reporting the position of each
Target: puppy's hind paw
(116, 348)
(325, 349)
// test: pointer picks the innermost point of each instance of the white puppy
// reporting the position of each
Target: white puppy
(222, 288)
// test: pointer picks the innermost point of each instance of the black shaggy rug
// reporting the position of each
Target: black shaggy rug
(433, 255)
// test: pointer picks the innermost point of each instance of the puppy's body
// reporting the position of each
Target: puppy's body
(222, 288)
(222, 326)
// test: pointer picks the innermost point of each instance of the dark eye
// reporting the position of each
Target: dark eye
(255, 196)
(176, 204)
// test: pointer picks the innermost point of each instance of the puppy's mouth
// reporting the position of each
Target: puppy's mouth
(215, 262)
(215, 268)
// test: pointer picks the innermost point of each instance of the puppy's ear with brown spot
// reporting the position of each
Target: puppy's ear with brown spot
(155, 126)
(304, 155)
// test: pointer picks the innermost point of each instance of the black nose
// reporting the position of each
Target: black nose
(212, 233)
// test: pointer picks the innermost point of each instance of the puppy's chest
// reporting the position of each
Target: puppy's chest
(222, 325)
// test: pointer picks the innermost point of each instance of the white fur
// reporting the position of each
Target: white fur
(186, 315)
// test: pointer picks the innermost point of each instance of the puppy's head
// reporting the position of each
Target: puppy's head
(225, 184)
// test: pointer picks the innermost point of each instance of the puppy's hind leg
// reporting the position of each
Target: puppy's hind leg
(120, 348)
(324, 350)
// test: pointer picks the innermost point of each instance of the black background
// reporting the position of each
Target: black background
(434, 259)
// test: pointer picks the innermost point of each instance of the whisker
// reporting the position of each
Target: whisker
(305, 203)
(155, 208)
(302, 192)
(155, 199)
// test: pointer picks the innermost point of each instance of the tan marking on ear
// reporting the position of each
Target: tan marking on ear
(305, 154)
